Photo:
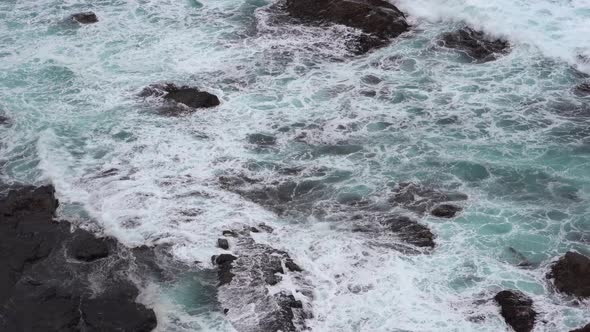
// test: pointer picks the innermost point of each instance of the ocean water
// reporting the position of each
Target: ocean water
(510, 133)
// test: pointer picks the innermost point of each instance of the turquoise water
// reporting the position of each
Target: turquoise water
(509, 133)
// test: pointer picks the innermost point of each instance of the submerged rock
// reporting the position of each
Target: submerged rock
(517, 310)
(420, 199)
(571, 274)
(43, 289)
(262, 139)
(256, 267)
(190, 97)
(475, 44)
(4, 120)
(379, 20)
(445, 210)
(85, 18)
(582, 90)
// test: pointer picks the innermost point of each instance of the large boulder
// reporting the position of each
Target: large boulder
(50, 275)
(517, 310)
(571, 274)
(379, 20)
(475, 44)
(180, 99)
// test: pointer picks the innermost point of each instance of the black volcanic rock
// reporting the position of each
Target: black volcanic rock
(571, 274)
(582, 90)
(445, 211)
(475, 44)
(410, 231)
(378, 19)
(517, 310)
(85, 18)
(188, 96)
(223, 244)
(4, 120)
(43, 289)
(582, 329)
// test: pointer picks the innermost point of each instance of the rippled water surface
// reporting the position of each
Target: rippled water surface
(510, 134)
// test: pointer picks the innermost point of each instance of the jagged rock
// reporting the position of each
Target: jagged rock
(223, 244)
(475, 44)
(571, 274)
(410, 231)
(445, 211)
(582, 90)
(41, 289)
(85, 18)
(262, 139)
(257, 267)
(379, 20)
(185, 95)
(517, 310)
(420, 199)
(582, 329)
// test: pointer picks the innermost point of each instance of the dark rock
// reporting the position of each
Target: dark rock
(85, 18)
(229, 233)
(475, 44)
(582, 90)
(85, 247)
(421, 199)
(445, 211)
(185, 95)
(223, 244)
(266, 228)
(371, 79)
(517, 310)
(410, 231)
(582, 329)
(254, 230)
(42, 290)
(4, 120)
(379, 20)
(262, 139)
(224, 262)
(292, 266)
(571, 274)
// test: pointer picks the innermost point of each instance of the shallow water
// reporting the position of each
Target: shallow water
(509, 133)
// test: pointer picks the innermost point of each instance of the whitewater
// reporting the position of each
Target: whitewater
(510, 133)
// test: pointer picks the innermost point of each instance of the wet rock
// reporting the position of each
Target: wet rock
(223, 244)
(262, 139)
(85, 247)
(184, 95)
(517, 310)
(582, 90)
(257, 267)
(475, 44)
(410, 231)
(582, 329)
(371, 79)
(571, 274)
(224, 263)
(85, 18)
(421, 199)
(4, 120)
(266, 228)
(445, 211)
(41, 289)
(379, 20)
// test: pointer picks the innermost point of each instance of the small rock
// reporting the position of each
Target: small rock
(571, 274)
(254, 230)
(266, 228)
(229, 233)
(185, 95)
(87, 248)
(85, 18)
(3, 120)
(582, 90)
(223, 244)
(445, 211)
(517, 310)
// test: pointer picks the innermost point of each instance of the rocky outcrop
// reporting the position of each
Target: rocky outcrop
(57, 280)
(582, 329)
(245, 281)
(180, 100)
(379, 20)
(571, 274)
(517, 310)
(475, 44)
(85, 18)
